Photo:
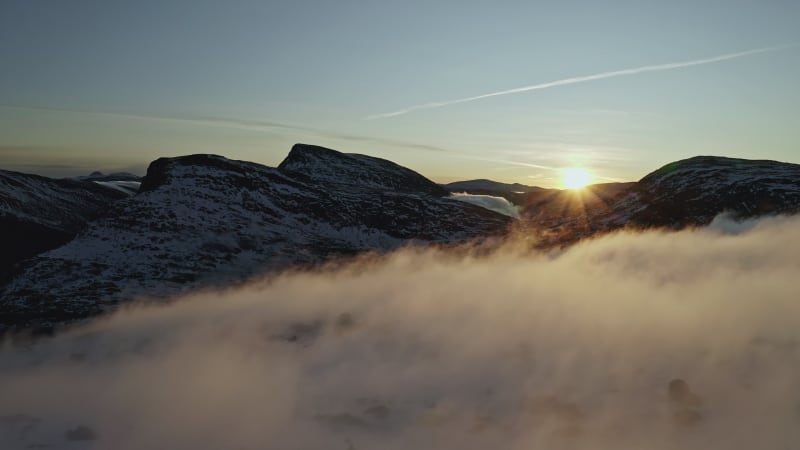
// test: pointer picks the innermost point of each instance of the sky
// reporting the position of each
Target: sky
(514, 91)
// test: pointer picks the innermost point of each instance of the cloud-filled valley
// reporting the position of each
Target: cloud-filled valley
(659, 340)
(490, 202)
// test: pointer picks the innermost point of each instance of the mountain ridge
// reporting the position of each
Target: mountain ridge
(204, 220)
(39, 213)
(325, 165)
(484, 185)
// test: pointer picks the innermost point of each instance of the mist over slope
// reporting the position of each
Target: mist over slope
(497, 204)
(656, 340)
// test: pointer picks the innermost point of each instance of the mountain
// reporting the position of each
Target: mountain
(484, 186)
(39, 213)
(205, 220)
(684, 193)
(353, 172)
(693, 191)
(551, 207)
(115, 176)
(546, 208)
(125, 182)
(515, 193)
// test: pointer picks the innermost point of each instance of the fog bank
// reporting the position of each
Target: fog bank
(497, 204)
(654, 340)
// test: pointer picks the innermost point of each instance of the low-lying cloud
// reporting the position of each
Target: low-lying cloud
(656, 340)
(497, 204)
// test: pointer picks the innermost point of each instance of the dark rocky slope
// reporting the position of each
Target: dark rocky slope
(39, 213)
(204, 220)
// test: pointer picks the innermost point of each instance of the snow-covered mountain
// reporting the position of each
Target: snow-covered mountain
(690, 192)
(204, 220)
(39, 213)
(693, 191)
(355, 172)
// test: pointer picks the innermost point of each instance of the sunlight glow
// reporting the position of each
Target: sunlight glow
(576, 178)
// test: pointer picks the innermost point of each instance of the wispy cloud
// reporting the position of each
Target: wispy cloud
(248, 124)
(583, 79)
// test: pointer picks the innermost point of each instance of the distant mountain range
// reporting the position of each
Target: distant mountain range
(484, 186)
(204, 221)
(115, 176)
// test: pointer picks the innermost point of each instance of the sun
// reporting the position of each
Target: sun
(576, 177)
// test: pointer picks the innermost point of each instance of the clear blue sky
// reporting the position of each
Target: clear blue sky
(88, 85)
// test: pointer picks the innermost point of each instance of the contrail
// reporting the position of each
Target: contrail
(583, 79)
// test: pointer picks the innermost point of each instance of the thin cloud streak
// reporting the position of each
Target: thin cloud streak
(548, 168)
(512, 163)
(258, 125)
(583, 79)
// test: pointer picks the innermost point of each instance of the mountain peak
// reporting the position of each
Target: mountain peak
(331, 167)
(301, 150)
(718, 166)
(162, 170)
(694, 190)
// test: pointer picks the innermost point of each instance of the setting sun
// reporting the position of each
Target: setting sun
(576, 178)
